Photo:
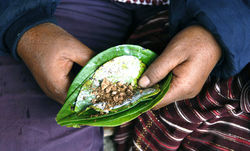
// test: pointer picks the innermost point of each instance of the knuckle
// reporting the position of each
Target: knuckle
(186, 89)
(193, 92)
(155, 74)
(190, 91)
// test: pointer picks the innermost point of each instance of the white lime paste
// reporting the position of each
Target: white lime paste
(125, 69)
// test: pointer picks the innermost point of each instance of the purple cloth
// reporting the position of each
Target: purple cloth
(27, 115)
(101, 24)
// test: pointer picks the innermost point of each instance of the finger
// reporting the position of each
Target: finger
(184, 84)
(161, 67)
(178, 88)
(62, 71)
(81, 54)
(172, 95)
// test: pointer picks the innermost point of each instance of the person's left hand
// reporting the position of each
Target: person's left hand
(191, 55)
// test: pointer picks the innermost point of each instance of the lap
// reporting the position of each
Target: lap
(101, 24)
(27, 115)
(213, 120)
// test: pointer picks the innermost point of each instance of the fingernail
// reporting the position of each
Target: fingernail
(144, 81)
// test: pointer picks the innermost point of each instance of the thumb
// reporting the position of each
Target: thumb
(80, 53)
(158, 70)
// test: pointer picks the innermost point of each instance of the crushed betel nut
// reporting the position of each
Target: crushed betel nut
(112, 93)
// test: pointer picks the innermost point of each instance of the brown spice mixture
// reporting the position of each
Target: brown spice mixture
(112, 93)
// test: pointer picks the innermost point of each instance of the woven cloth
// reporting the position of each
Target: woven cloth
(216, 119)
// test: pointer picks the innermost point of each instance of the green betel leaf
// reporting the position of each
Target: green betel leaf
(75, 114)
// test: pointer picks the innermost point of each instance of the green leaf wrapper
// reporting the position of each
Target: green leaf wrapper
(68, 117)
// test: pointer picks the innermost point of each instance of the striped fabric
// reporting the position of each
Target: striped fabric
(213, 120)
(216, 119)
(145, 2)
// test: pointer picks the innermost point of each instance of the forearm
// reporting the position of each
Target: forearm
(17, 17)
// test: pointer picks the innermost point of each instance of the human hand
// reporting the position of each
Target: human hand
(50, 52)
(191, 55)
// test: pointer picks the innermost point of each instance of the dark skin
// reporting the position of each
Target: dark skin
(191, 55)
(49, 52)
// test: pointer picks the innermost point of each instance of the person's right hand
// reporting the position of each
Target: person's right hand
(191, 55)
(50, 52)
